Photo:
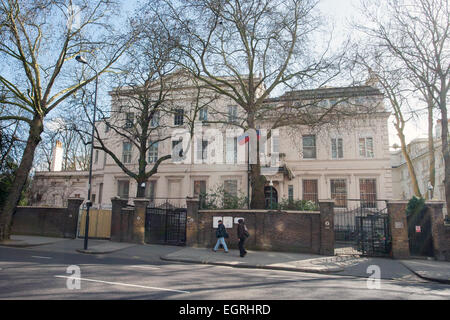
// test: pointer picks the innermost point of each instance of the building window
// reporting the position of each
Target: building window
(202, 149)
(310, 191)
(93, 198)
(291, 193)
(232, 114)
(106, 127)
(154, 122)
(96, 157)
(339, 192)
(337, 149)
(366, 147)
(199, 188)
(179, 117)
(123, 189)
(126, 152)
(104, 159)
(153, 152)
(309, 147)
(203, 116)
(231, 150)
(129, 120)
(230, 188)
(368, 193)
(150, 188)
(177, 150)
(275, 143)
(100, 193)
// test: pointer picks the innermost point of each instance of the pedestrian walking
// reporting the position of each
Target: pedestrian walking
(242, 235)
(221, 234)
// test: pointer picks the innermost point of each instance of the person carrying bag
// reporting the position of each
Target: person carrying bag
(221, 234)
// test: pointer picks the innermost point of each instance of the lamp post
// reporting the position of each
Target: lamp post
(80, 59)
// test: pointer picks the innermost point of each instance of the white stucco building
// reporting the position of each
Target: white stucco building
(347, 160)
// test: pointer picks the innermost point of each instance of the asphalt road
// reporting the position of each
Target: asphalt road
(138, 273)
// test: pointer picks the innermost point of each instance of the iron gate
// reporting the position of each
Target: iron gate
(362, 227)
(165, 223)
(419, 233)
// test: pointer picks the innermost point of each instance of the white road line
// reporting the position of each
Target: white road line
(145, 267)
(122, 284)
(40, 257)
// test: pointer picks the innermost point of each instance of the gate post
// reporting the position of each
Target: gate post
(192, 205)
(327, 227)
(140, 209)
(399, 229)
(441, 246)
(116, 225)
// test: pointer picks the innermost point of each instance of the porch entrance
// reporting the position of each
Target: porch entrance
(419, 233)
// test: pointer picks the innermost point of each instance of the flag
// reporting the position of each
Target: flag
(246, 138)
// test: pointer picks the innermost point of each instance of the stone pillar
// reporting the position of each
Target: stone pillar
(140, 209)
(441, 246)
(327, 227)
(71, 218)
(116, 228)
(398, 225)
(126, 224)
(192, 235)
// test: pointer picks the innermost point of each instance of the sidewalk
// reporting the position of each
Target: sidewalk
(30, 241)
(106, 247)
(438, 271)
(264, 260)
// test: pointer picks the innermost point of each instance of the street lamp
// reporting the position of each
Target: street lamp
(80, 59)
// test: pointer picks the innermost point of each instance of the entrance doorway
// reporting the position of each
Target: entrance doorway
(419, 233)
(271, 197)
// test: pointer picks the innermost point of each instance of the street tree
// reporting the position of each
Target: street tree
(39, 39)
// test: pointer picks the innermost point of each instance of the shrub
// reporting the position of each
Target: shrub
(218, 199)
(415, 205)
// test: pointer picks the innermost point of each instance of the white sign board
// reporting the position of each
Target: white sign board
(236, 220)
(228, 222)
(216, 221)
(398, 225)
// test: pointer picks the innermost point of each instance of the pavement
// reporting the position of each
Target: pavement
(438, 271)
(30, 241)
(346, 265)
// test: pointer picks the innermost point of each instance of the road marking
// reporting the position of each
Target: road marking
(145, 267)
(40, 257)
(122, 284)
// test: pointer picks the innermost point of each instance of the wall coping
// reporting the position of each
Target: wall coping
(41, 207)
(257, 211)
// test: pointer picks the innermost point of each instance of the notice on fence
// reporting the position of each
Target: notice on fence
(216, 221)
(228, 222)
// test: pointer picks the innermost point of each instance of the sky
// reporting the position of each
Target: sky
(339, 13)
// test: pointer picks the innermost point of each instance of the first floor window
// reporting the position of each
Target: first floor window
(309, 147)
(177, 150)
(366, 147)
(129, 120)
(154, 122)
(337, 150)
(202, 149)
(231, 150)
(230, 188)
(153, 152)
(126, 152)
(203, 116)
(179, 117)
(310, 191)
(150, 187)
(232, 114)
(123, 189)
(339, 192)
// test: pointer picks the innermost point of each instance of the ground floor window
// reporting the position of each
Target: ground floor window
(339, 192)
(368, 192)
(123, 189)
(271, 197)
(310, 190)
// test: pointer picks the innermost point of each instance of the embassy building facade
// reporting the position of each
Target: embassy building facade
(346, 159)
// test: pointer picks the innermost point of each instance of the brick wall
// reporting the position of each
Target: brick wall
(289, 231)
(47, 221)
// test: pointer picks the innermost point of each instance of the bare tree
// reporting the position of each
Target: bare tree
(37, 39)
(245, 50)
(417, 33)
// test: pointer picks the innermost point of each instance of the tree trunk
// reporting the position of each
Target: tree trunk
(257, 182)
(20, 178)
(445, 151)
(409, 164)
(432, 168)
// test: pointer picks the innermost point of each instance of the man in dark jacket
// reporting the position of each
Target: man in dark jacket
(242, 234)
(221, 234)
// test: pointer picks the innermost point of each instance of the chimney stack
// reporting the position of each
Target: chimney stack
(57, 157)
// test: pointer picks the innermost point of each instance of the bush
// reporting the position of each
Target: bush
(298, 205)
(415, 205)
(219, 199)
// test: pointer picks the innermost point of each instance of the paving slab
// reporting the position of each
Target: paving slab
(106, 247)
(264, 260)
(22, 241)
(438, 271)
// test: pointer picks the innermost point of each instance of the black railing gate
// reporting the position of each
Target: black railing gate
(362, 227)
(165, 223)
